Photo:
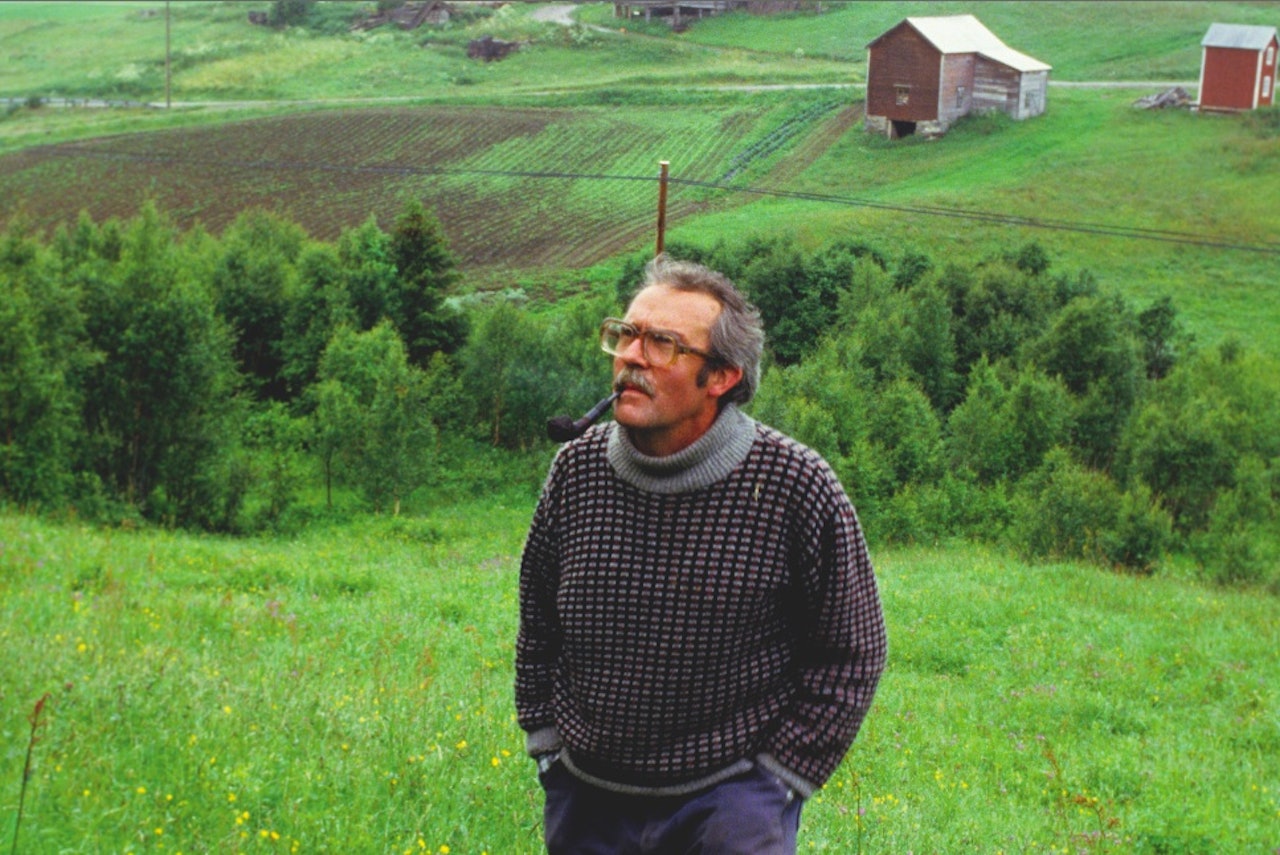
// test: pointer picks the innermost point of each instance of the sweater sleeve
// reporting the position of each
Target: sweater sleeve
(842, 645)
(538, 638)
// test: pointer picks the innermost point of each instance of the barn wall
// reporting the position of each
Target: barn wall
(955, 95)
(902, 57)
(995, 87)
(1034, 94)
(1229, 77)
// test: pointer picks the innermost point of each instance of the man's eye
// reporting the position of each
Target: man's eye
(663, 339)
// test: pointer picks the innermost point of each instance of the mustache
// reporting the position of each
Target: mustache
(632, 377)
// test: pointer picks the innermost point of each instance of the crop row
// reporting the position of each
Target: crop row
(544, 186)
(778, 137)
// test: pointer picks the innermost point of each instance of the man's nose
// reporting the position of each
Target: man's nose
(634, 351)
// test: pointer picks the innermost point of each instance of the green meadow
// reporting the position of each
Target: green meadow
(346, 686)
(349, 690)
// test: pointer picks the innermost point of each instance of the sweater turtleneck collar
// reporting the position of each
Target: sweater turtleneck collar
(709, 459)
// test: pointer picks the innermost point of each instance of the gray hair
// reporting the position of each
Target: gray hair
(737, 336)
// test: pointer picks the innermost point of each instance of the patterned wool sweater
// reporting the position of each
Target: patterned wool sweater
(682, 617)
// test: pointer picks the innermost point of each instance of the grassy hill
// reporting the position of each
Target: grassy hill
(1082, 40)
(349, 690)
(548, 160)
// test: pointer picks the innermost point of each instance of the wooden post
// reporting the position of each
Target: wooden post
(168, 102)
(662, 204)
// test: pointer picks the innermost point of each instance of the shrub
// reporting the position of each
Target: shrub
(1143, 533)
(1063, 510)
(955, 506)
(1239, 545)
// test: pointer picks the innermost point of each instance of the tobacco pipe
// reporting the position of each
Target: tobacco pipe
(563, 428)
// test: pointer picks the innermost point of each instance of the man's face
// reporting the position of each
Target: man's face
(662, 406)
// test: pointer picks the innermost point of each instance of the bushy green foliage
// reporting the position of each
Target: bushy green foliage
(425, 274)
(1239, 545)
(1064, 510)
(256, 283)
(277, 441)
(1050, 361)
(42, 348)
(290, 13)
(321, 306)
(209, 381)
(380, 414)
(520, 368)
(159, 404)
(1193, 430)
(174, 374)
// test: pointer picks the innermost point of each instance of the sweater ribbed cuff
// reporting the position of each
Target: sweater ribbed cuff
(544, 740)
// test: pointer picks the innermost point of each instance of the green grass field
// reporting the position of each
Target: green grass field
(349, 690)
(1082, 40)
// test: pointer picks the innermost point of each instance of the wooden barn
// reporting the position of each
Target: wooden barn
(675, 10)
(925, 73)
(1238, 67)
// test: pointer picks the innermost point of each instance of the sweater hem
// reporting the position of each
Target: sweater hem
(682, 789)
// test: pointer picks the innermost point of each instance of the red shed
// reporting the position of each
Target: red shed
(1238, 67)
(926, 73)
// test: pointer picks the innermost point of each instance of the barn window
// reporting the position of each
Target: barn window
(902, 94)
(1271, 55)
(1266, 87)
(959, 96)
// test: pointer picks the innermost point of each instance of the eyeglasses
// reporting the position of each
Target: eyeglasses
(658, 346)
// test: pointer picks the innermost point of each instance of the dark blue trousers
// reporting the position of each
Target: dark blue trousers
(751, 814)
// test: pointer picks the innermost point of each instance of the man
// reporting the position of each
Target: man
(700, 631)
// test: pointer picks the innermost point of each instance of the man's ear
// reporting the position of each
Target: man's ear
(722, 379)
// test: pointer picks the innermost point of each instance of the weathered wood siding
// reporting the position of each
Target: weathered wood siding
(1033, 94)
(955, 98)
(995, 87)
(903, 58)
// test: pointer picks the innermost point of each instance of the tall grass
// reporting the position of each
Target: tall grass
(349, 689)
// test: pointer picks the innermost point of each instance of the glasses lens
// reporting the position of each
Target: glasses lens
(615, 336)
(661, 348)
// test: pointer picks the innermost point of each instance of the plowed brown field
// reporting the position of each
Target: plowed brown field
(514, 188)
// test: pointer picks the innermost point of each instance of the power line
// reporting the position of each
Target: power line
(1081, 227)
(1134, 232)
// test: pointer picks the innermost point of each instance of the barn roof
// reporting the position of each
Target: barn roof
(966, 34)
(1244, 36)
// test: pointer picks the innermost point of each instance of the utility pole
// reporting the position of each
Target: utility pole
(168, 103)
(662, 205)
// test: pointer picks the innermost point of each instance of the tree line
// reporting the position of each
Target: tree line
(204, 381)
(196, 380)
